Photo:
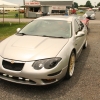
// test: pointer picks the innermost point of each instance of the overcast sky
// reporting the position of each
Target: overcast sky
(80, 2)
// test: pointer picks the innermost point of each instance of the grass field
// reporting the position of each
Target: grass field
(7, 29)
(12, 14)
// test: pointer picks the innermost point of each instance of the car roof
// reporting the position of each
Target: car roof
(67, 18)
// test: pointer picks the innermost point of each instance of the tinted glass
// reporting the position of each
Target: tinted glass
(89, 12)
(49, 28)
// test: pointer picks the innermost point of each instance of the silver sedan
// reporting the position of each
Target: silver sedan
(44, 51)
(89, 14)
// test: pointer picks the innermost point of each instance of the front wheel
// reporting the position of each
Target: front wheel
(71, 66)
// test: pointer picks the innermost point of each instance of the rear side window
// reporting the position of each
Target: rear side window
(76, 26)
(81, 25)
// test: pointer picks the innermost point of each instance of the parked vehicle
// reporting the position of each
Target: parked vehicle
(98, 8)
(21, 11)
(84, 20)
(90, 14)
(44, 51)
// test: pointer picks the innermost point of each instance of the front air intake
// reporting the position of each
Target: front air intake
(12, 66)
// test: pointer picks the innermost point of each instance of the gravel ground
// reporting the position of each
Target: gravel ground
(84, 85)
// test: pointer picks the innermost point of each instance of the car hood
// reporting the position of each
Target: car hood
(27, 48)
(89, 14)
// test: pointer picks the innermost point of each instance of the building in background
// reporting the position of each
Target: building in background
(39, 8)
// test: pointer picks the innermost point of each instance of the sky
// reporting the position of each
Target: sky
(80, 2)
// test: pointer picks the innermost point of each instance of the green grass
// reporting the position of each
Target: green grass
(78, 13)
(11, 14)
(8, 29)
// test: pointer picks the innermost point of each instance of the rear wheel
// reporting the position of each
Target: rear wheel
(85, 45)
(71, 66)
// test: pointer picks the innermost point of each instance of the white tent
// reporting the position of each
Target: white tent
(5, 4)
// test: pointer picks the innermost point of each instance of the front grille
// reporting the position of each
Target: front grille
(14, 66)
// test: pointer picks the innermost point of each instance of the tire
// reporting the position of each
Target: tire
(88, 30)
(85, 45)
(71, 66)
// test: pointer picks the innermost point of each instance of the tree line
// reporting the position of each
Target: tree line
(88, 4)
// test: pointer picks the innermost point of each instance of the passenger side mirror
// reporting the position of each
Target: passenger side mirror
(80, 34)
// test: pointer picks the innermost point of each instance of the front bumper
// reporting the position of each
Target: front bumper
(28, 75)
(90, 17)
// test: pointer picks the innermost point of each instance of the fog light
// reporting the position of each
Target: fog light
(4, 74)
(48, 80)
(10, 76)
(26, 79)
(20, 78)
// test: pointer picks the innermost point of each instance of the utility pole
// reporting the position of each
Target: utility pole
(24, 7)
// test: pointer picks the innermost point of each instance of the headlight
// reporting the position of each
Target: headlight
(46, 63)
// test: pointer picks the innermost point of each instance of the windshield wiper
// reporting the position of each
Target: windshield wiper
(56, 37)
(42, 35)
(52, 36)
(21, 34)
(60, 37)
(49, 36)
(45, 36)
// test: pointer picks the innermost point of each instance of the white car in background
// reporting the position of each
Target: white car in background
(90, 14)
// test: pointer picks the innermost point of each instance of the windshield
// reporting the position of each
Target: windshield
(90, 12)
(48, 28)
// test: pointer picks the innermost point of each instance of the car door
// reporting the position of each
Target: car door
(83, 28)
(79, 41)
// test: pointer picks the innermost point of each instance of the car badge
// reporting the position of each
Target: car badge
(12, 61)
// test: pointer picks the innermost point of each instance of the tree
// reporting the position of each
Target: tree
(75, 5)
(88, 4)
(98, 4)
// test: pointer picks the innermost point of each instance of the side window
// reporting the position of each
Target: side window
(81, 25)
(76, 26)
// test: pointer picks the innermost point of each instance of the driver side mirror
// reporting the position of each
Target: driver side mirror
(18, 29)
